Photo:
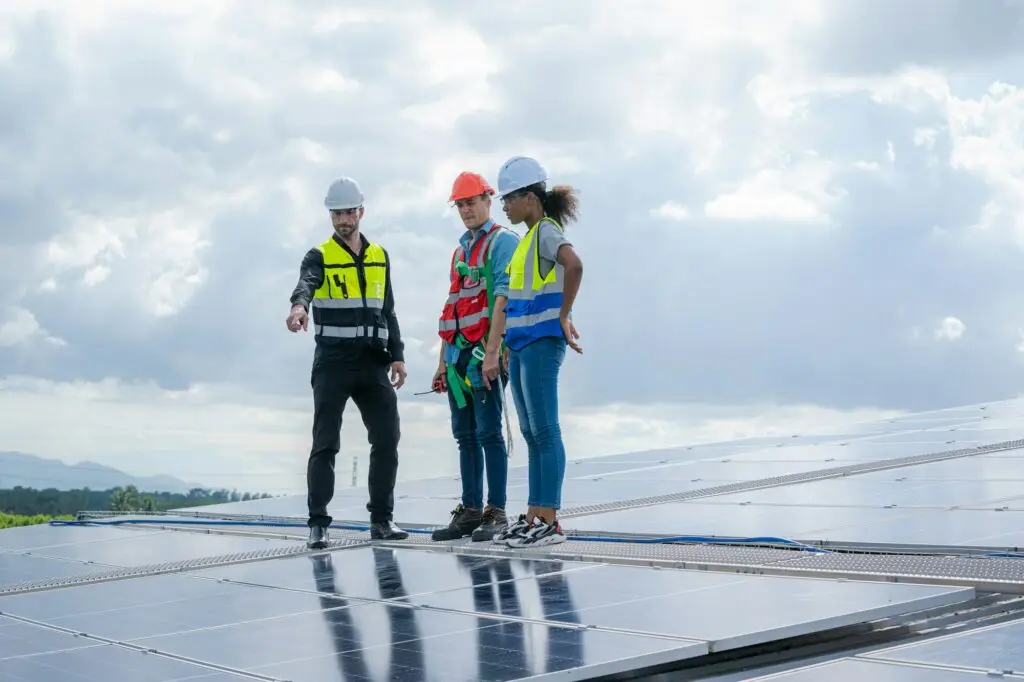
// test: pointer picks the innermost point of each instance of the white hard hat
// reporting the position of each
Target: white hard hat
(343, 193)
(519, 172)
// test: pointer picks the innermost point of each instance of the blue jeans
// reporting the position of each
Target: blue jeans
(533, 373)
(477, 430)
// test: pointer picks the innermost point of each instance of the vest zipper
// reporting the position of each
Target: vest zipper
(361, 274)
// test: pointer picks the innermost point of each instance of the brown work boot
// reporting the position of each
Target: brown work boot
(464, 522)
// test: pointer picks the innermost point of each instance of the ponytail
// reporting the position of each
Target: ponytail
(561, 203)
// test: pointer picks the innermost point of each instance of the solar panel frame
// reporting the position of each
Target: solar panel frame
(16, 568)
(860, 669)
(996, 647)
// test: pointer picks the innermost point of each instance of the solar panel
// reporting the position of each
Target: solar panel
(140, 548)
(703, 474)
(157, 605)
(706, 518)
(390, 642)
(41, 536)
(996, 467)
(416, 610)
(105, 663)
(878, 490)
(373, 573)
(840, 451)
(16, 568)
(286, 617)
(859, 670)
(19, 639)
(999, 647)
(704, 605)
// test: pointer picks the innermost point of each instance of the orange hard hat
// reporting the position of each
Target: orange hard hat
(468, 185)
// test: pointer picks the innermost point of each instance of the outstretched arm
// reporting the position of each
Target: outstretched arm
(311, 278)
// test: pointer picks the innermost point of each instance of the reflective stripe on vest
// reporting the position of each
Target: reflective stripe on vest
(534, 303)
(350, 302)
(467, 308)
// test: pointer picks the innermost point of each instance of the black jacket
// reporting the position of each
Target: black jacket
(311, 278)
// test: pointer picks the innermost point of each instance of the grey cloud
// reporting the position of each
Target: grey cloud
(746, 312)
(699, 310)
(879, 36)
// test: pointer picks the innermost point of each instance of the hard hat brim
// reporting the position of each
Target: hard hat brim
(453, 198)
(517, 188)
(340, 207)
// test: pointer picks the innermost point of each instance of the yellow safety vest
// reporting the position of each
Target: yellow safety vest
(534, 302)
(350, 302)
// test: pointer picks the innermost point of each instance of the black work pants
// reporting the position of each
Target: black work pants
(370, 389)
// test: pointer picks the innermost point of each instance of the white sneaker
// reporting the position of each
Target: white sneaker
(540, 533)
(514, 530)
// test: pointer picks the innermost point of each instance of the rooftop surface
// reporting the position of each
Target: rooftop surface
(886, 548)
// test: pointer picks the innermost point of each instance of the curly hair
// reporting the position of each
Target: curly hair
(560, 203)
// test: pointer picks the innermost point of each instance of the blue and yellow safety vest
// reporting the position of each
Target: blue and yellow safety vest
(534, 303)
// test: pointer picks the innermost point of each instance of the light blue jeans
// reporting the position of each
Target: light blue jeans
(533, 376)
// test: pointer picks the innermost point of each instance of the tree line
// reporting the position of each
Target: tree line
(50, 503)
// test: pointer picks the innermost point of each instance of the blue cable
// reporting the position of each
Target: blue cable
(688, 539)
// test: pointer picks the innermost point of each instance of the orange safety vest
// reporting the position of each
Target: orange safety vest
(467, 312)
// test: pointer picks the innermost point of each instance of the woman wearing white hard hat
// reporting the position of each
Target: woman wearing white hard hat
(544, 276)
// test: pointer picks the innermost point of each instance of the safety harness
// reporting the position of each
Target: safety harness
(462, 386)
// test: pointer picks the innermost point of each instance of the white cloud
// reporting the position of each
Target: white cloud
(671, 210)
(950, 329)
(21, 327)
(164, 199)
(798, 193)
(95, 275)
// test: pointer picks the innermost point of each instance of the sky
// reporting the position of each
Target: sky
(793, 214)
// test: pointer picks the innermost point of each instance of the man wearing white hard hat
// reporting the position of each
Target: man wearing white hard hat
(544, 277)
(347, 282)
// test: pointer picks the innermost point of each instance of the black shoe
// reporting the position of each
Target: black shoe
(318, 537)
(464, 522)
(493, 522)
(386, 530)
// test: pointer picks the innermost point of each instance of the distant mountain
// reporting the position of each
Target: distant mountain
(29, 471)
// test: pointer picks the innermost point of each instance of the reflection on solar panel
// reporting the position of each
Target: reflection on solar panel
(780, 548)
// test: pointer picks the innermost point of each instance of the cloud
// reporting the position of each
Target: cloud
(21, 327)
(950, 329)
(670, 210)
(825, 196)
(796, 194)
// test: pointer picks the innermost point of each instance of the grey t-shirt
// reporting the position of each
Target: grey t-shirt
(550, 240)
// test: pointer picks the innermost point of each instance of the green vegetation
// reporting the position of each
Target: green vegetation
(15, 520)
(29, 503)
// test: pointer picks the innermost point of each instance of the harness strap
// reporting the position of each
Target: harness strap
(455, 384)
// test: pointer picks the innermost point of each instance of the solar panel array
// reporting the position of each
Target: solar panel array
(159, 602)
(992, 652)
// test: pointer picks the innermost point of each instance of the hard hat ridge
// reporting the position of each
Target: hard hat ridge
(343, 193)
(469, 184)
(519, 172)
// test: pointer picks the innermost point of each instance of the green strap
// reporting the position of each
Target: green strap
(455, 384)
